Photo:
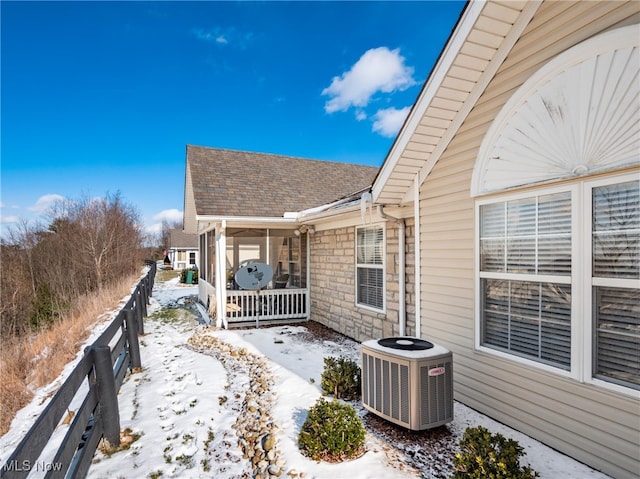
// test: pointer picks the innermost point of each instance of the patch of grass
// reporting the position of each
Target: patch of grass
(210, 437)
(206, 465)
(127, 437)
(186, 461)
(155, 475)
(165, 315)
(163, 275)
(166, 455)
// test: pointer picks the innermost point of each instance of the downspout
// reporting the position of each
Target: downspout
(308, 284)
(402, 307)
(417, 253)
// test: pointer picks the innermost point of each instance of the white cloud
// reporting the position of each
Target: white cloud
(171, 215)
(9, 219)
(388, 122)
(204, 35)
(223, 36)
(154, 228)
(45, 202)
(378, 70)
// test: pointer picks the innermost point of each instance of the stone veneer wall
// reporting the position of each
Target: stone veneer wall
(333, 300)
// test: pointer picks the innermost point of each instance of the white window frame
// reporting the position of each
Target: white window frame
(589, 281)
(582, 327)
(371, 266)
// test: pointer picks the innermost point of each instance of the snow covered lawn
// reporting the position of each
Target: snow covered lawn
(225, 404)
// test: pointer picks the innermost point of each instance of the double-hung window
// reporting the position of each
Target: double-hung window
(559, 278)
(525, 277)
(615, 282)
(370, 267)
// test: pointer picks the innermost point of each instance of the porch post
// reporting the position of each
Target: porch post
(221, 274)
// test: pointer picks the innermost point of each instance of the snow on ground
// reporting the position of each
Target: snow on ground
(195, 401)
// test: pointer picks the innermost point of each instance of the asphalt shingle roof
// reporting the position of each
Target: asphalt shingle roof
(180, 239)
(240, 183)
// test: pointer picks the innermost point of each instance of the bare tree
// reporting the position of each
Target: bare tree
(165, 235)
(87, 245)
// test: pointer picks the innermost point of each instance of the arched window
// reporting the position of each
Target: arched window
(577, 115)
(559, 265)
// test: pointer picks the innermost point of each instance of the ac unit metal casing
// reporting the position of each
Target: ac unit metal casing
(412, 388)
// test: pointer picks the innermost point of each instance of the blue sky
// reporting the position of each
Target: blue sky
(102, 97)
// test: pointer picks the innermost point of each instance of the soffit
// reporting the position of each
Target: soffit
(484, 35)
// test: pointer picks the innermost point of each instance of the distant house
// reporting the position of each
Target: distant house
(249, 207)
(183, 251)
(504, 224)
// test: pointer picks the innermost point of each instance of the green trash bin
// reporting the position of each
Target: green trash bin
(189, 279)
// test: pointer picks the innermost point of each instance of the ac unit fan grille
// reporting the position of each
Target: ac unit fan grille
(390, 378)
(406, 343)
(437, 403)
(416, 393)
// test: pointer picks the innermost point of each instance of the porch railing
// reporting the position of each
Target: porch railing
(268, 305)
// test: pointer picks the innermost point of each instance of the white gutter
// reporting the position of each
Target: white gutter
(321, 208)
(246, 219)
(402, 300)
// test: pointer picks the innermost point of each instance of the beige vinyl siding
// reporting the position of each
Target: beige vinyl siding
(592, 424)
(189, 216)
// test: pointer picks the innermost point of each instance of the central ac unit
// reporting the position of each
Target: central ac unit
(408, 381)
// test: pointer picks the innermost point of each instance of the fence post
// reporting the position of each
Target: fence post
(147, 289)
(143, 299)
(107, 394)
(138, 308)
(132, 338)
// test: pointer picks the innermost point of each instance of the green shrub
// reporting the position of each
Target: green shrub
(332, 432)
(44, 312)
(486, 455)
(341, 377)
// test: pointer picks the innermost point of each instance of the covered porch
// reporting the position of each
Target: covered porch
(229, 247)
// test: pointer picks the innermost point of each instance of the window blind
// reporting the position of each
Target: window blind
(369, 266)
(616, 310)
(530, 236)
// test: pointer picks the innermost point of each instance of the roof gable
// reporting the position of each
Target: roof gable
(235, 183)
(180, 239)
(480, 42)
